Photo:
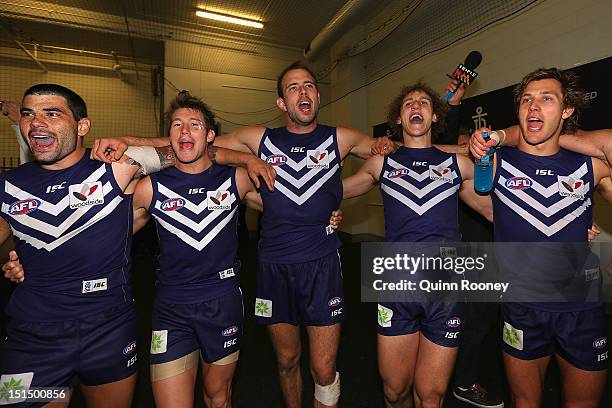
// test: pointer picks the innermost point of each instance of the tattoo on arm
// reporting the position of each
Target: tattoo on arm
(212, 154)
(133, 162)
(166, 155)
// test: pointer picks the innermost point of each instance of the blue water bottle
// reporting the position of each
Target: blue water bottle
(483, 170)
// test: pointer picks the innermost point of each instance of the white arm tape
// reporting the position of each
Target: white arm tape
(146, 156)
(495, 136)
(328, 394)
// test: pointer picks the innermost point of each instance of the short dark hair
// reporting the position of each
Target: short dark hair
(75, 103)
(573, 95)
(295, 65)
(184, 100)
(440, 109)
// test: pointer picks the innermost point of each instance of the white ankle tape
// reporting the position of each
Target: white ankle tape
(146, 156)
(328, 394)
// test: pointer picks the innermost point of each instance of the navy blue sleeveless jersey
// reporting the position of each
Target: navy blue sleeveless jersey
(545, 199)
(196, 224)
(72, 230)
(419, 190)
(308, 188)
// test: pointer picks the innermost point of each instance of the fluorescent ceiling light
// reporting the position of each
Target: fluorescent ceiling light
(228, 19)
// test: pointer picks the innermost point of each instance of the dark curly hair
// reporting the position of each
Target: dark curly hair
(573, 95)
(395, 107)
(185, 100)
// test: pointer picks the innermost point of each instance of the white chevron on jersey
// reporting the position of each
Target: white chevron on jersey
(186, 221)
(38, 244)
(414, 174)
(419, 209)
(290, 162)
(419, 192)
(301, 199)
(198, 245)
(539, 207)
(545, 229)
(299, 183)
(45, 206)
(194, 208)
(544, 191)
(54, 231)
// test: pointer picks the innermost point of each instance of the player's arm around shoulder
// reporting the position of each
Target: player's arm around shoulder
(364, 179)
(143, 195)
(361, 145)
(601, 171)
(139, 161)
(247, 191)
(595, 143)
(245, 139)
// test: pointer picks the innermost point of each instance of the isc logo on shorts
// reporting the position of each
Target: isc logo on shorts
(85, 194)
(95, 285)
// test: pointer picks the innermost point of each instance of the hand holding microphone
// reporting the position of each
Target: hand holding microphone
(465, 73)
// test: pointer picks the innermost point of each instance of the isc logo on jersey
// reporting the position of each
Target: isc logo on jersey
(317, 159)
(440, 173)
(276, 159)
(570, 187)
(218, 200)
(398, 173)
(518, 183)
(23, 207)
(172, 204)
(86, 194)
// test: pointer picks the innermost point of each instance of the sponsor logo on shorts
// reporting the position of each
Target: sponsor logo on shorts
(95, 285)
(276, 159)
(600, 343)
(513, 336)
(384, 316)
(23, 207)
(518, 183)
(591, 274)
(602, 357)
(228, 273)
(454, 322)
(440, 173)
(334, 302)
(230, 343)
(317, 159)
(569, 187)
(219, 200)
(336, 312)
(132, 360)
(172, 204)
(85, 194)
(451, 335)
(159, 341)
(263, 307)
(10, 383)
(397, 173)
(130, 348)
(230, 331)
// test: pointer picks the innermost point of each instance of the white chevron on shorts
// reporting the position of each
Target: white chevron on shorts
(45, 206)
(548, 230)
(290, 162)
(420, 209)
(198, 244)
(544, 191)
(188, 222)
(302, 198)
(38, 244)
(194, 208)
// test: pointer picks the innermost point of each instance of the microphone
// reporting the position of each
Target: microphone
(464, 73)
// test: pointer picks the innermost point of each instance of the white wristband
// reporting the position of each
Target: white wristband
(495, 136)
(146, 156)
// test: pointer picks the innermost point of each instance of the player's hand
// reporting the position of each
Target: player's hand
(258, 168)
(593, 232)
(336, 218)
(455, 99)
(108, 150)
(478, 147)
(11, 109)
(383, 146)
(13, 269)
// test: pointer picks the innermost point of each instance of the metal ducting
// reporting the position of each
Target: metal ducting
(338, 25)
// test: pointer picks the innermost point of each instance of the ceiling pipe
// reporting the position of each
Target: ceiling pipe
(338, 25)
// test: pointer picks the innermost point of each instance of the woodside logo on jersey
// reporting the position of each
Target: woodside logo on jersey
(85, 194)
(219, 200)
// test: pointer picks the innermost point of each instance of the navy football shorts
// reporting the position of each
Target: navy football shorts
(439, 321)
(577, 336)
(94, 350)
(213, 326)
(308, 293)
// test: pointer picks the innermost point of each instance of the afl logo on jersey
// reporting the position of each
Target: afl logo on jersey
(518, 183)
(24, 206)
(230, 331)
(398, 173)
(172, 204)
(276, 159)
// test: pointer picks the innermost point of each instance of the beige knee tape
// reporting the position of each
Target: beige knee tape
(175, 367)
(232, 358)
(328, 394)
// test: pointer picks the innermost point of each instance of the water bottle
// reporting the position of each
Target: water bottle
(483, 170)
